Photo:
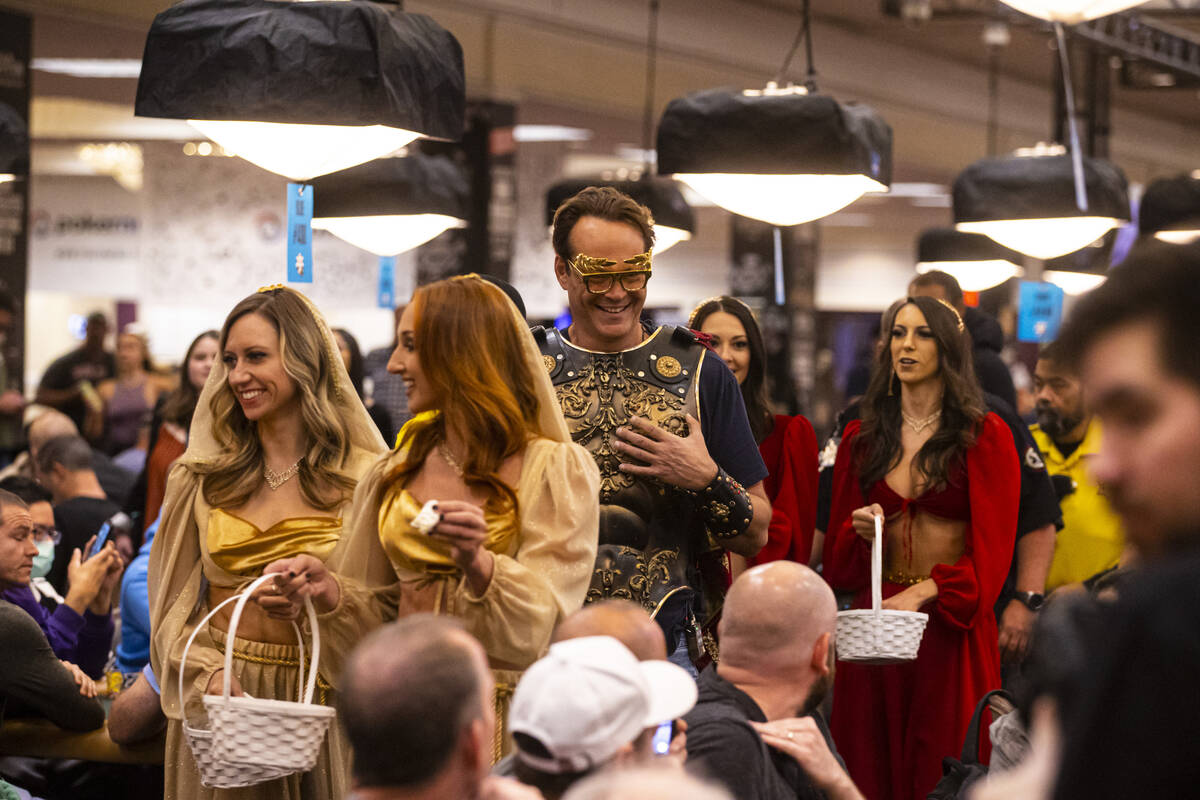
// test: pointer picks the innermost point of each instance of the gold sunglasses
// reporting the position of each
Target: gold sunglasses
(597, 282)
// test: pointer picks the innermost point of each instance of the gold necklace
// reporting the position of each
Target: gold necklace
(276, 479)
(450, 459)
(919, 425)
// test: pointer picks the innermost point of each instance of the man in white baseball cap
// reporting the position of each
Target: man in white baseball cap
(590, 704)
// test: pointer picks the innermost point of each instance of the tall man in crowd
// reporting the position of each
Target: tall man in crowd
(69, 383)
(681, 476)
(1068, 435)
(1131, 720)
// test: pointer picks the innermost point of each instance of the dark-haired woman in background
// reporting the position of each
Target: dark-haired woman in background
(943, 474)
(353, 359)
(788, 444)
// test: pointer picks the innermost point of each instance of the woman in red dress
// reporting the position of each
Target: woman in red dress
(788, 444)
(944, 475)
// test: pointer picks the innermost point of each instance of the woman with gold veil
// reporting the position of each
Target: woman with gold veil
(513, 542)
(277, 444)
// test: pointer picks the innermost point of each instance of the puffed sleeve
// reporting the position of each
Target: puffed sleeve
(547, 576)
(969, 587)
(794, 508)
(847, 556)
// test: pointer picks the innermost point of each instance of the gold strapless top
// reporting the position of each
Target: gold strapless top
(239, 547)
(411, 550)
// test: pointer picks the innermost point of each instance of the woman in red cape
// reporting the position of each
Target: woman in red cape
(788, 445)
(944, 475)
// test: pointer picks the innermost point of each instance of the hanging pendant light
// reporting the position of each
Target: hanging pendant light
(1029, 203)
(303, 88)
(975, 261)
(784, 154)
(674, 221)
(1170, 209)
(1071, 12)
(391, 205)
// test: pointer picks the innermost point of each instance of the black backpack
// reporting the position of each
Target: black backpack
(958, 774)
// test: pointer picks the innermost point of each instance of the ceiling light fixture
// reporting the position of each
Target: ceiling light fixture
(975, 261)
(300, 88)
(1071, 12)
(391, 205)
(783, 154)
(1170, 209)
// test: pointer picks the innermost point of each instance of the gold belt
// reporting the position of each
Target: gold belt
(904, 578)
(274, 661)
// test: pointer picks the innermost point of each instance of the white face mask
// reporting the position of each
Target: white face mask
(43, 560)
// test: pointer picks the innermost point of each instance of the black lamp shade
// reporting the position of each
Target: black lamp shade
(415, 184)
(948, 244)
(329, 63)
(1170, 204)
(661, 196)
(1037, 187)
(727, 131)
(14, 142)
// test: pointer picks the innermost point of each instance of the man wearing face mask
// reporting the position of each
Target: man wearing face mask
(1091, 540)
(79, 627)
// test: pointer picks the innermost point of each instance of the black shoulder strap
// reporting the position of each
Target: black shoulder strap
(970, 751)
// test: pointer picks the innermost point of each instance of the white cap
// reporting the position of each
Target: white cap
(590, 696)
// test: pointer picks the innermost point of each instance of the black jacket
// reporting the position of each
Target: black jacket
(988, 339)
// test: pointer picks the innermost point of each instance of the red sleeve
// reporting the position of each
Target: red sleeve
(847, 556)
(970, 586)
(794, 508)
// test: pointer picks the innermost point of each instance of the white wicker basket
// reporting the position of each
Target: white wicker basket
(214, 773)
(877, 635)
(276, 734)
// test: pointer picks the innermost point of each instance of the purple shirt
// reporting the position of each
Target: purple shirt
(82, 640)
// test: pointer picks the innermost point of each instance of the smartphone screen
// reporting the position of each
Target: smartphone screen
(662, 738)
(101, 538)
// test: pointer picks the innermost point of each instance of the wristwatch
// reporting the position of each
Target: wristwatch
(1031, 600)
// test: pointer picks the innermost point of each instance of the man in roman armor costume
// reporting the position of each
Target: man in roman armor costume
(681, 476)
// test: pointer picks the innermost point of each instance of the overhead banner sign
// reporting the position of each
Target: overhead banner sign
(1040, 312)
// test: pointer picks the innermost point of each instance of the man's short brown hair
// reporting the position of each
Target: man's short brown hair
(606, 203)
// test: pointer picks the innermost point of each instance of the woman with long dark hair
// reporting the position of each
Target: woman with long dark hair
(352, 357)
(943, 474)
(788, 445)
(510, 546)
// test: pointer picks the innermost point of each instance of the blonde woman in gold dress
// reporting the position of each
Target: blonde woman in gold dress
(514, 539)
(277, 445)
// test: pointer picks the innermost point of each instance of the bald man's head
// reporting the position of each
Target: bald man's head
(50, 425)
(773, 617)
(625, 621)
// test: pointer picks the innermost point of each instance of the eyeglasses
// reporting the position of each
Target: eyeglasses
(600, 282)
(43, 532)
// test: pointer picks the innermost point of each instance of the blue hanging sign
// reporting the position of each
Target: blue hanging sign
(387, 282)
(1040, 312)
(299, 249)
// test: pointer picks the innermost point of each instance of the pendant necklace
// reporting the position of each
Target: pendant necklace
(276, 479)
(450, 459)
(919, 425)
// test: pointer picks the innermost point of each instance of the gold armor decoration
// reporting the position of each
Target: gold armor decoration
(668, 367)
(549, 362)
(628, 574)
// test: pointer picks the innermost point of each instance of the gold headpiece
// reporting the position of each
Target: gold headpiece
(957, 316)
(270, 288)
(692, 317)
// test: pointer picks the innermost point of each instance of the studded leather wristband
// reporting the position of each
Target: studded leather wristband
(726, 506)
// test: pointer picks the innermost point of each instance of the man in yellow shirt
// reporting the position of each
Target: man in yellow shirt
(1092, 539)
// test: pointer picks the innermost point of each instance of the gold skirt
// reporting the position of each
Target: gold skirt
(269, 671)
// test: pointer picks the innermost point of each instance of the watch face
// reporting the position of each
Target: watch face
(1033, 600)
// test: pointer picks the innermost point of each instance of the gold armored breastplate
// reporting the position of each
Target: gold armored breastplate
(649, 531)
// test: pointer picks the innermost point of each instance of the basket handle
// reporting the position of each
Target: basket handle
(242, 598)
(877, 568)
(200, 626)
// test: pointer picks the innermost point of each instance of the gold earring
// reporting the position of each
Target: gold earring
(891, 380)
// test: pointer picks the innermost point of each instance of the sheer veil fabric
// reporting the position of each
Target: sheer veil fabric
(179, 559)
(544, 580)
